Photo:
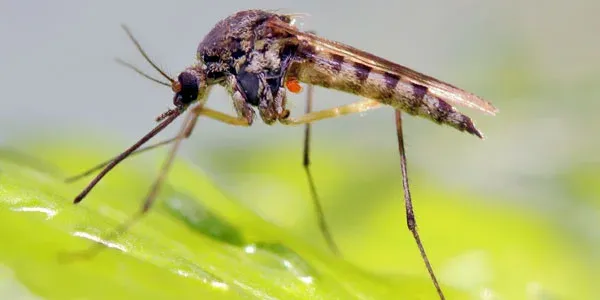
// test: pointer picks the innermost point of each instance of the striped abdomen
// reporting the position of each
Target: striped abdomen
(336, 71)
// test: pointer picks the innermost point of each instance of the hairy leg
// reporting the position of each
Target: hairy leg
(410, 214)
(311, 183)
(202, 111)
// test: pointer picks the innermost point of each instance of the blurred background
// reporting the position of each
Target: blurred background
(515, 216)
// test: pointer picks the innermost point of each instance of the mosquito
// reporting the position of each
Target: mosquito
(257, 56)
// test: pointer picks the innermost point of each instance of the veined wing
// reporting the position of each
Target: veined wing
(443, 90)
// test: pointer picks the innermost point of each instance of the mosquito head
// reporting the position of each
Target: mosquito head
(188, 86)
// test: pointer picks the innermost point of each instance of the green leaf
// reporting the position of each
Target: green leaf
(195, 244)
(254, 235)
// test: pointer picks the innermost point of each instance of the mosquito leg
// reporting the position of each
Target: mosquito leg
(189, 124)
(162, 125)
(213, 114)
(410, 215)
(343, 110)
(187, 128)
(311, 183)
(222, 117)
(245, 113)
(190, 120)
(149, 200)
(307, 119)
(138, 151)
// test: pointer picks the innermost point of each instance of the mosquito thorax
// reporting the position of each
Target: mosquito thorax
(188, 86)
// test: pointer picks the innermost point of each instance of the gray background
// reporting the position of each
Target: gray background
(57, 76)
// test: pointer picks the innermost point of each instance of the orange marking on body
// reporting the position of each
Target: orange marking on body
(176, 87)
(293, 85)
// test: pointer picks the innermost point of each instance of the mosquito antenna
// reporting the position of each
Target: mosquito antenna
(137, 70)
(127, 152)
(139, 47)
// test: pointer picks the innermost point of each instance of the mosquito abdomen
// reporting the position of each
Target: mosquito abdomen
(335, 71)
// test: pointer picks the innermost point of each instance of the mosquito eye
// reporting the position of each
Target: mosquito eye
(250, 85)
(189, 89)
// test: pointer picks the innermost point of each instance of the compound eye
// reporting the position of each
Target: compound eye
(189, 89)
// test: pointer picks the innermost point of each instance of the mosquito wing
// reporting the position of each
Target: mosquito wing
(443, 90)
